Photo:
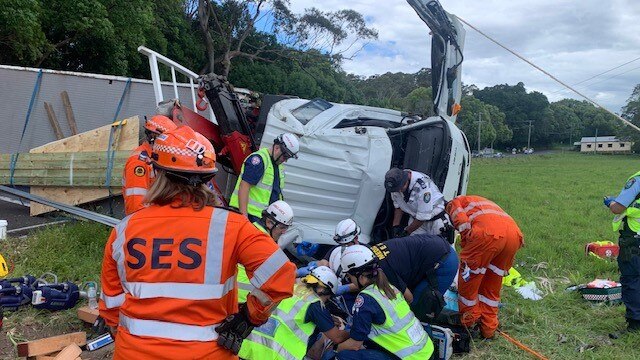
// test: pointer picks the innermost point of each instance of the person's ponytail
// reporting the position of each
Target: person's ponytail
(383, 284)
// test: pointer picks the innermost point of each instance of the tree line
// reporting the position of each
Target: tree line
(266, 47)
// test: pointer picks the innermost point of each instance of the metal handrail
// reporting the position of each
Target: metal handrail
(154, 59)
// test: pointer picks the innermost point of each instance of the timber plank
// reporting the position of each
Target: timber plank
(88, 314)
(52, 344)
(71, 352)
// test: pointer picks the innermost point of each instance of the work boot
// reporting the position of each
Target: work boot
(633, 326)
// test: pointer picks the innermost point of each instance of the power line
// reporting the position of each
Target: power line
(549, 75)
(602, 73)
(599, 81)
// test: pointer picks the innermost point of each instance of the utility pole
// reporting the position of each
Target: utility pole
(529, 137)
(595, 145)
(479, 125)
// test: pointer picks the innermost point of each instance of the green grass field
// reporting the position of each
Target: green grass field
(556, 199)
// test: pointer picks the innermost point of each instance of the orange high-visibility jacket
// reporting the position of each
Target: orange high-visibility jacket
(169, 278)
(471, 212)
(136, 178)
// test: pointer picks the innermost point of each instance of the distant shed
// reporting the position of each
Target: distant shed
(604, 144)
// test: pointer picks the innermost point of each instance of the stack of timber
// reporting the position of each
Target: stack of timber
(73, 170)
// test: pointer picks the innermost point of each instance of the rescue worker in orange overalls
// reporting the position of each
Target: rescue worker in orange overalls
(490, 239)
(136, 177)
(169, 269)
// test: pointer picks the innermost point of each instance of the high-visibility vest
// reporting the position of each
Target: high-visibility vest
(260, 194)
(632, 214)
(401, 333)
(284, 335)
(244, 285)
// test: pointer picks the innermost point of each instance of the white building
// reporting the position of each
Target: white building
(604, 144)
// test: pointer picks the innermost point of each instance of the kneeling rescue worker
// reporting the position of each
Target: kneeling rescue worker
(490, 239)
(168, 273)
(295, 323)
(275, 221)
(380, 315)
(137, 174)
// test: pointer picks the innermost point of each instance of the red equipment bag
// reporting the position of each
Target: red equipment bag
(602, 249)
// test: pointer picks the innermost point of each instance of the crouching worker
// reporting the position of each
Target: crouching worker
(275, 221)
(382, 319)
(294, 325)
(421, 267)
(168, 272)
(490, 239)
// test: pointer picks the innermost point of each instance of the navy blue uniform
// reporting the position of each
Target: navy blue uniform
(366, 311)
(407, 261)
(629, 258)
(253, 171)
(320, 316)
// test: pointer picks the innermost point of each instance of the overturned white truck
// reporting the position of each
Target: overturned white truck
(347, 149)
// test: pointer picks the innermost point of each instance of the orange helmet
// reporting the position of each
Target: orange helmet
(184, 151)
(159, 124)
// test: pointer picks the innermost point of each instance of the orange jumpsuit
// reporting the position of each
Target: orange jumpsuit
(490, 239)
(136, 178)
(169, 278)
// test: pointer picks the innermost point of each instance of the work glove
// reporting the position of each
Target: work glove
(234, 329)
(608, 200)
(306, 248)
(398, 231)
(342, 289)
(306, 270)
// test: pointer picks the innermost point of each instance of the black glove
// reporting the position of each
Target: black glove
(234, 329)
(398, 231)
(449, 233)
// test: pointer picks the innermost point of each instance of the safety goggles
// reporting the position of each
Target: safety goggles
(286, 153)
(281, 226)
(340, 238)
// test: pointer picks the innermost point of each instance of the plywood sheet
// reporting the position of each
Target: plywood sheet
(94, 140)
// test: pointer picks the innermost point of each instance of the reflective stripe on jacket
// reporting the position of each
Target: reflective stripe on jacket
(136, 178)
(244, 284)
(285, 335)
(401, 333)
(177, 283)
(259, 194)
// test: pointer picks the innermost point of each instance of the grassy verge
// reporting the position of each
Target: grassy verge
(556, 199)
(71, 251)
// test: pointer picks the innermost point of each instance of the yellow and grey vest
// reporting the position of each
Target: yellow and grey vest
(632, 214)
(401, 333)
(260, 194)
(244, 285)
(284, 335)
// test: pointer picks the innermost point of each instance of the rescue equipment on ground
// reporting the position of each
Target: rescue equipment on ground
(54, 296)
(527, 289)
(602, 249)
(602, 291)
(15, 292)
(4, 267)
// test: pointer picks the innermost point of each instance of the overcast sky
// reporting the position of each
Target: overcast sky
(571, 39)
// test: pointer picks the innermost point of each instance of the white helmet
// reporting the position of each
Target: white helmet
(346, 231)
(280, 212)
(289, 144)
(356, 256)
(325, 276)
